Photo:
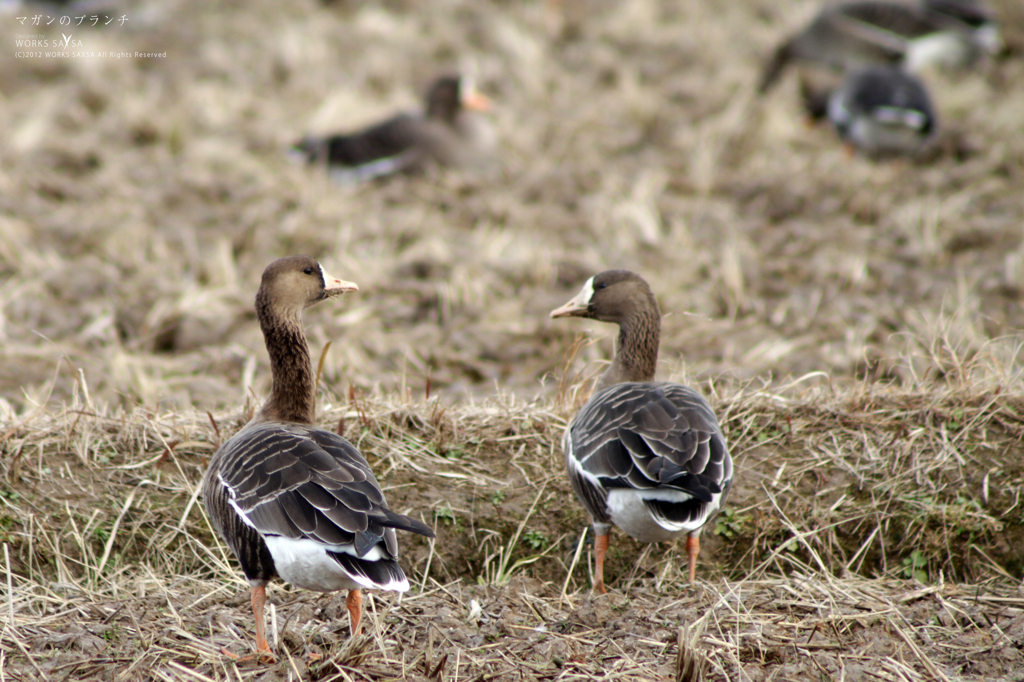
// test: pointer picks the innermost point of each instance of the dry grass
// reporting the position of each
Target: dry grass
(856, 326)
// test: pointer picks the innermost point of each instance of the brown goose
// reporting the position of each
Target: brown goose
(289, 499)
(646, 456)
(855, 34)
(450, 133)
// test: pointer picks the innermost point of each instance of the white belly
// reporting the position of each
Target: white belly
(305, 563)
(628, 512)
(876, 137)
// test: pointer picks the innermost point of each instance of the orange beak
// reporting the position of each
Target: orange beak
(476, 102)
(472, 99)
(336, 287)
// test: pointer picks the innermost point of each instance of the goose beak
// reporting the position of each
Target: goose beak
(477, 102)
(574, 308)
(472, 99)
(579, 305)
(336, 287)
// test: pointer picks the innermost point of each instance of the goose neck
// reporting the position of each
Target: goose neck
(293, 393)
(636, 356)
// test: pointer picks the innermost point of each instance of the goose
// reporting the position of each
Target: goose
(646, 456)
(864, 32)
(883, 111)
(291, 500)
(450, 133)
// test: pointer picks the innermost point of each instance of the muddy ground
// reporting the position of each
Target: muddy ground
(854, 323)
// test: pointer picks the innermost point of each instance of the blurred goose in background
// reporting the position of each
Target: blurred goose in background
(289, 499)
(450, 132)
(883, 111)
(646, 456)
(850, 35)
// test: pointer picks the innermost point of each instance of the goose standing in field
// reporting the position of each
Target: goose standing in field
(855, 34)
(451, 132)
(883, 111)
(646, 456)
(289, 499)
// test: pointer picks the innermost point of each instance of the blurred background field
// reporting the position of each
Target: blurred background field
(856, 324)
(141, 199)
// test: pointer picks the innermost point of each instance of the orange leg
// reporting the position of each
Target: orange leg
(263, 652)
(693, 549)
(259, 599)
(600, 549)
(355, 609)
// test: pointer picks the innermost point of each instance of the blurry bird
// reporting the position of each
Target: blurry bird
(883, 111)
(854, 34)
(647, 456)
(450, 132)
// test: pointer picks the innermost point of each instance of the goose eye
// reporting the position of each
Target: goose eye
(601, 285)
(308, 271)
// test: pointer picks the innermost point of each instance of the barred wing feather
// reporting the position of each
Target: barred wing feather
(302, 482)
(660, 437)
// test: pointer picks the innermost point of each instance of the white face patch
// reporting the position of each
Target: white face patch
(323, 275)
(586, 294)
(579, 304)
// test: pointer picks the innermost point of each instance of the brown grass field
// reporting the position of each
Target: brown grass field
(856, 326)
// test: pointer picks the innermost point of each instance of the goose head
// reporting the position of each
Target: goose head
(297, 282)
(449, 95)
(610, 296)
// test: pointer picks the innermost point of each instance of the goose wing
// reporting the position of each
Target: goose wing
(898, 20)
(658, 437)
(848, 35)
(305, 483)
(888, 42)
(383, 149)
